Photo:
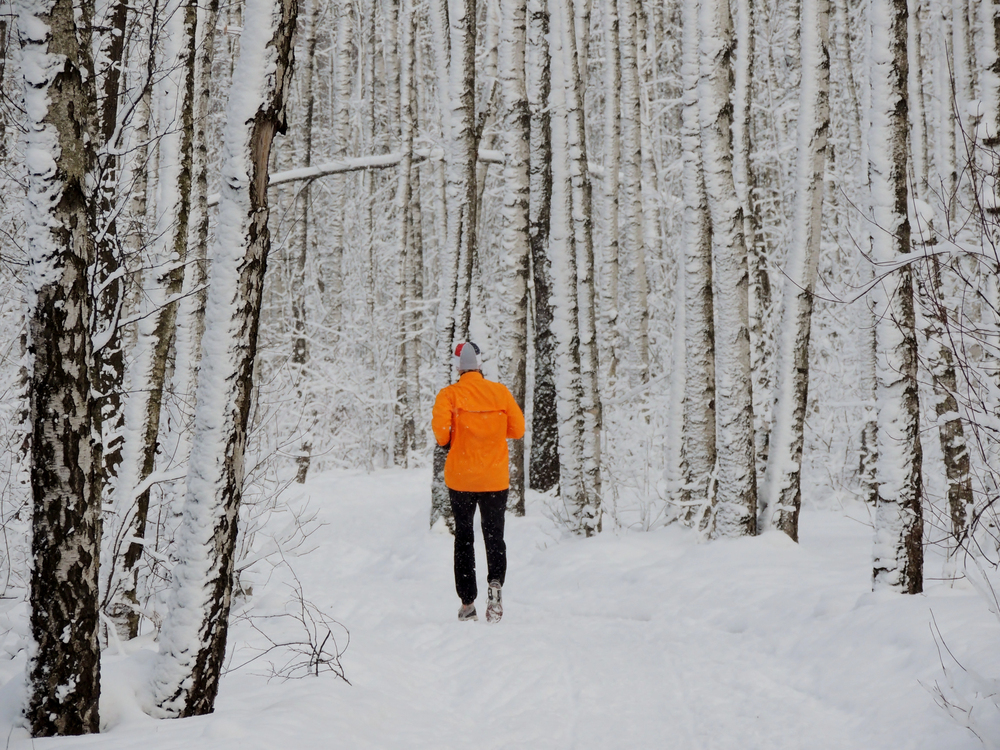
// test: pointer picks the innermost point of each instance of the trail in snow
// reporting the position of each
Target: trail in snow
(636, 640)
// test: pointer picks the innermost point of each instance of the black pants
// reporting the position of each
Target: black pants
(492, 506)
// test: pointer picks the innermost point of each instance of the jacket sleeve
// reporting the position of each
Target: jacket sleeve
(441, 418)
(515, 418)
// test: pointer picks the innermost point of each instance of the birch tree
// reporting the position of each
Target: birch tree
(544, 460)
(513, 33)
(632, 169)
(158, 312)
(736, 494)
(898, 552)
(108, 278)
(698, 443)
(589, 514)
(332, 262)
(301, 242)
(453, 315)
(612, 162)
(783, 491)
(563, 254)
(193, 635)
(64, 670)
(404, 194)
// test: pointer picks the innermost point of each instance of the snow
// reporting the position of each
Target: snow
(645, 639)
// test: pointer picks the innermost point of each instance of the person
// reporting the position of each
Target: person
(475, 417)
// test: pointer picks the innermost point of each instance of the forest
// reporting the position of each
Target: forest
(736, 259)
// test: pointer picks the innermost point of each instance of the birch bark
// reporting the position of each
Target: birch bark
(404, 194)
(612, 164)
(193, 635)
(514, 337)
(333, 273)
(735, 512)
(453, 320)
(64, 670)
(898, 550)
(698, 443)
(108, 274)
(783, 481)
(589, 517)
(563, 254)
(544, 460)
(300, 248)
(632, 172)
(158, 310)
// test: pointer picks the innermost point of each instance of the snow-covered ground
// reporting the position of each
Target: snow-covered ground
(627, 640)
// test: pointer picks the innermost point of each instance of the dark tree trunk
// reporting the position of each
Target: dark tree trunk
(543, 469)
(64, 670)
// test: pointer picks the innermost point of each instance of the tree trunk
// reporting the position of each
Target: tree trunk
(562, 252)
(514, 336)
(744, 175)
(453, 317)
(64, 671)
(698, 444)
(589, 517)
(736, 494)
(175, 93)
(404, 408)
(941, 365)
(783, 487)
(193, 636)
(612, 164)
(300, 248)
(332, 272)
(543, 472)
(632, 173)
(898, 553)
(108, 277)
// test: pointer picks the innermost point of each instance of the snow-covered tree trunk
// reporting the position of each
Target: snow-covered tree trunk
(919, 152)
(333, 257)
(453, 313)
(962, 70)
(301, 245)
(988, 126)
(612, 164)
(590, 513)
(415, 299)
(898, 553)
(735, 509)
(448, 258)
(390, 57)
(404, 234)
(698, 441)
(563, 254)
(543, 471)
(193, 635)
(64, 671)
(191, 310)
(158, 312)
(649, 193)
(514, 335)
(745, 177)
(633, 249)
(463, 197)
(951, 432)
(782, 496)
(108, 273)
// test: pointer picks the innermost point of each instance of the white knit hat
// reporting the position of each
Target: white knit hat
(467, 357)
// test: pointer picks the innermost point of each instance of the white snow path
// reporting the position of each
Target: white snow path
(637, 640)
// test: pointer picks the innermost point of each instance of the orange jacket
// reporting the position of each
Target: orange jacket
(476, 416)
